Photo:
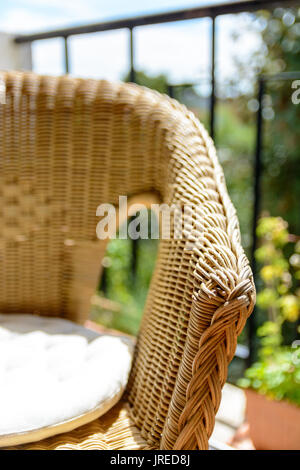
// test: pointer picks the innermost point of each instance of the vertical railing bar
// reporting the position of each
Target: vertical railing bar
(132, 77)
(170, 91)
(256, 205)
(131, 54)
(213, 91)
(66, 50)
(134, 258)
(103, 281)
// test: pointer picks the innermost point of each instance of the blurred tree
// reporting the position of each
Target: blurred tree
(281, 184)
(158, 82)
(279, 51)
(280, 31)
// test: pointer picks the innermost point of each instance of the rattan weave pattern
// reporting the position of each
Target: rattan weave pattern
(68, 145)
(115, 430)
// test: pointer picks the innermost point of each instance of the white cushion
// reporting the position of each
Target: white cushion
(55, 376)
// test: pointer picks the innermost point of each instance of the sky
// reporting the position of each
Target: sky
(180, 49)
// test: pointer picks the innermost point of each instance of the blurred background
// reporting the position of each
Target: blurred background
(238, 70)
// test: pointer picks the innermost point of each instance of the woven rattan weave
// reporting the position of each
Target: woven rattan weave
(68, 145)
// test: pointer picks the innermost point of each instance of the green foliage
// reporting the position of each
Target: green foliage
(277, 376)
(128, 291)
(235, 140)
(277, 372)
(281, 34)
(279, 30)
(158, 82)
(280, 296)
(281, 189)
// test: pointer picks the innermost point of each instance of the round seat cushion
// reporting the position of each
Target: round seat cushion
(56, 375)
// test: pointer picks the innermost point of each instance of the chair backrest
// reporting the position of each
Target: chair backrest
(68, 145)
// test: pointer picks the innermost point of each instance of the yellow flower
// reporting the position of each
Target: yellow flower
(269, 272)
(290, 307)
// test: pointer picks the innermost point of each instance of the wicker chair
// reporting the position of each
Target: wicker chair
(68, 145)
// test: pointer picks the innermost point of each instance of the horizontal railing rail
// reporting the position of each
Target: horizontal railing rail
(210, 11)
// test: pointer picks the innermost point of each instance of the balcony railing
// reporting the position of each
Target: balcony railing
(212, 12)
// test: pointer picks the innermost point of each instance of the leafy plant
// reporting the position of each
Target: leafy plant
(277, 372)
(127, 291)
(277, 376)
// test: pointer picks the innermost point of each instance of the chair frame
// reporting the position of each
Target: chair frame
(68, 145)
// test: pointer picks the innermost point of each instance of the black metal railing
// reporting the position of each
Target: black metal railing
(263, 81)
(212, 12)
